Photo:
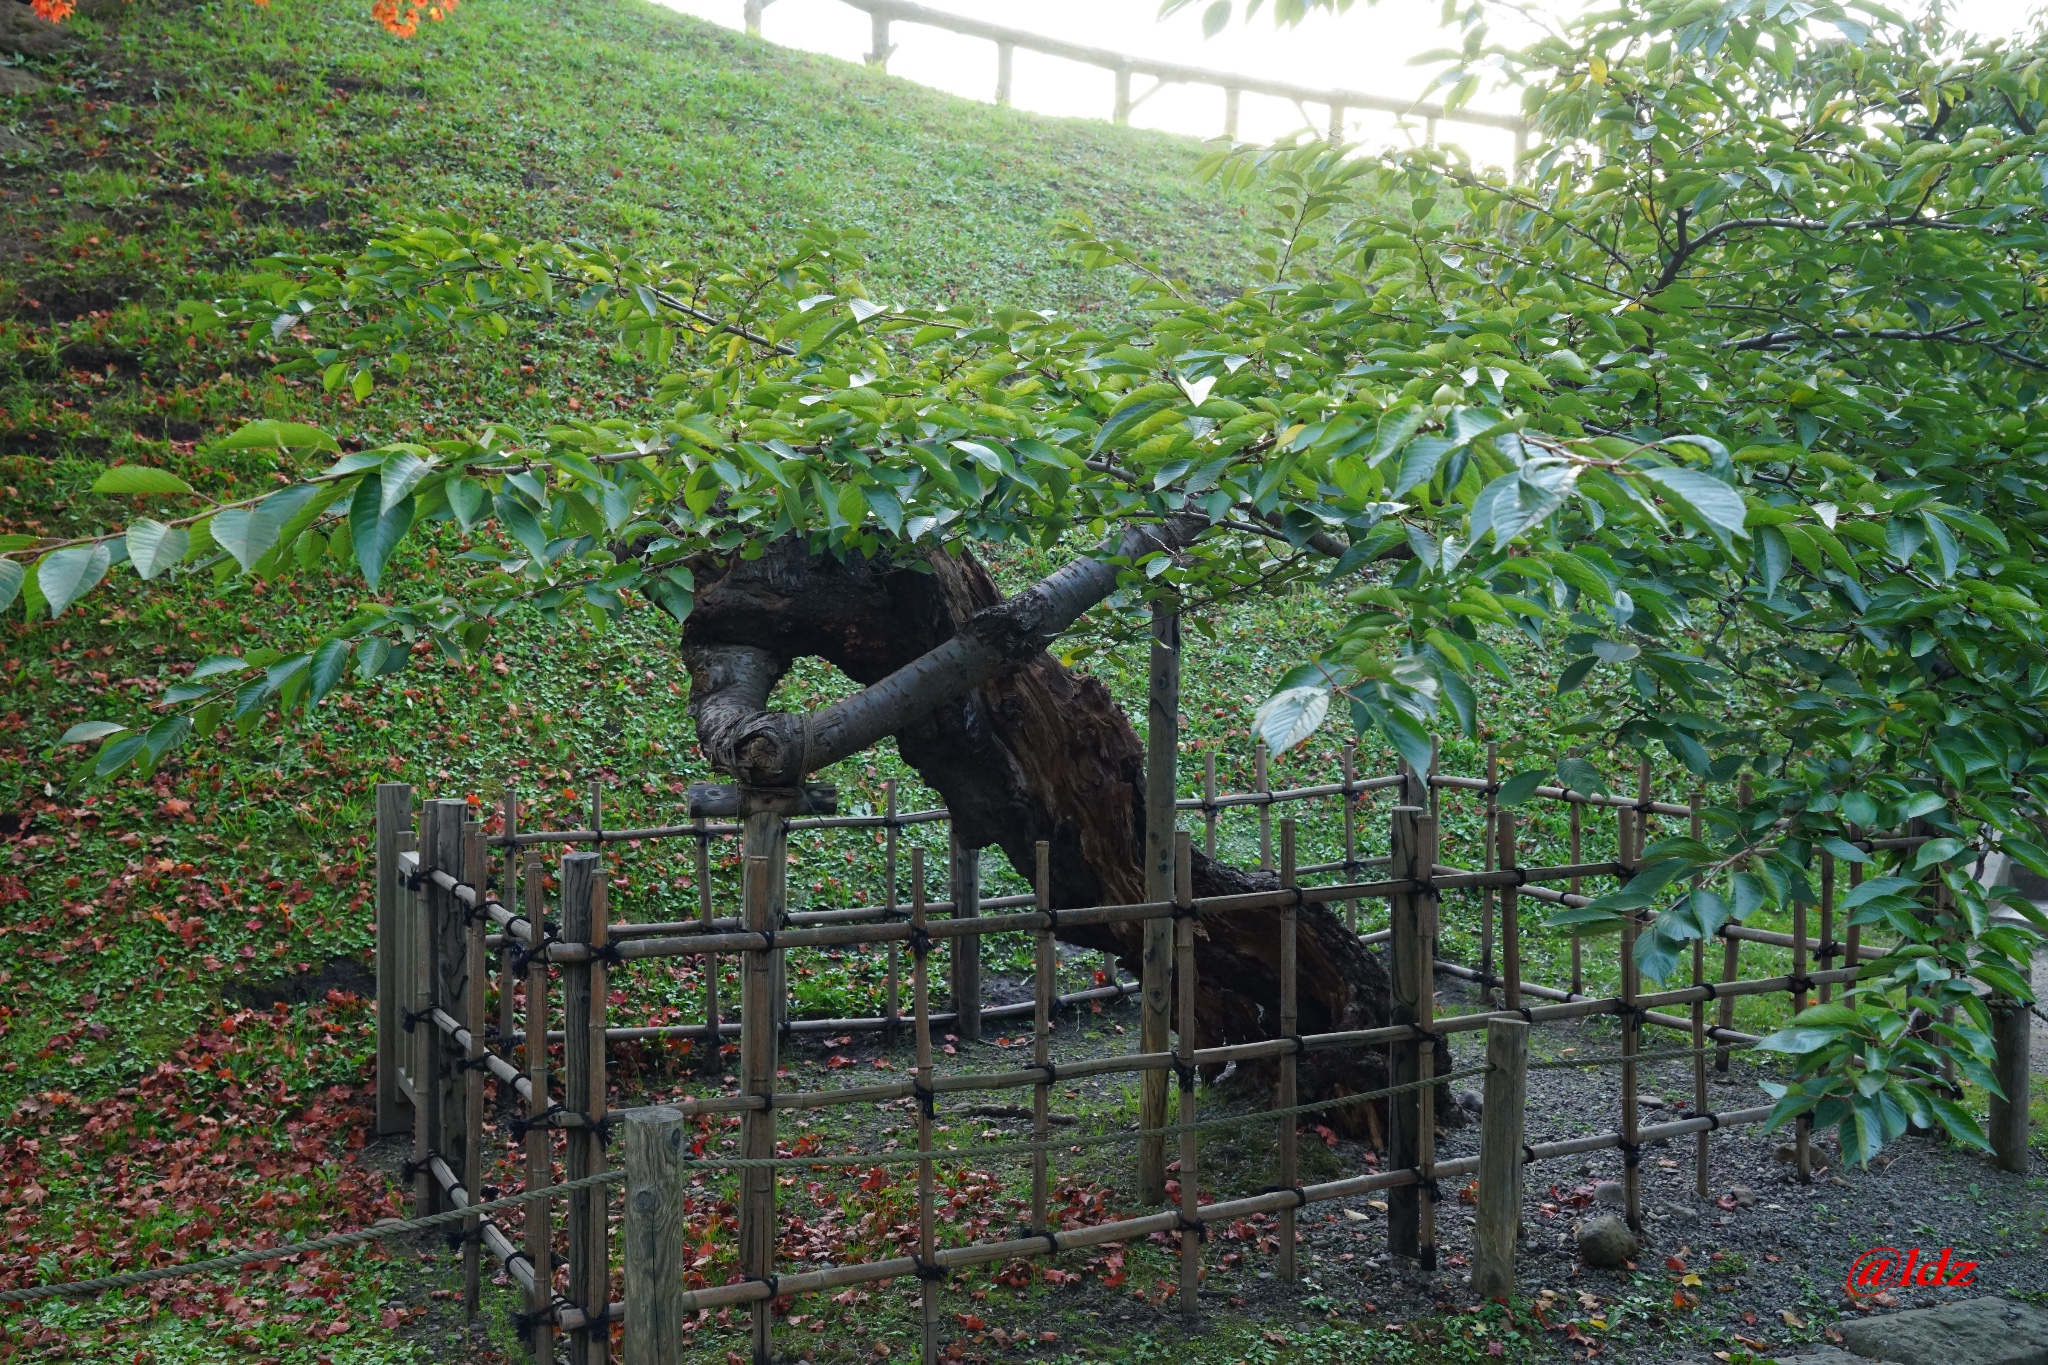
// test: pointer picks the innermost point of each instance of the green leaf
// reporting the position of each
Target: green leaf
(1288, 717)
(1799, 1041)
(375, 528)
(85, 732)
(154, 547)
(1522, 786)
(401, 473)
(11, 574)
(1710, 502)
(66, 575)
(265, 434)
(1576, 774)
(139, 480)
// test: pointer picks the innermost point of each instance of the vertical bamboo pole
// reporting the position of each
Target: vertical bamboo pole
(891, 987)
(655, 1227)
(1631, 1153)
(476, 864)
(423, 1035)
(766, 855)
(1852, 937)
(1209, 803)
(1184, 1067)
(1162, 758)
(1041, 1034)
(508, 949)
(1261, 779)
(540, 1239)
(1489, 859)
(1702, 1143)
(1510, 914)
(966, 949)
(394, 822)
(1411, 1216)
(1351, 795)
(450, 1136)
(584, 986)
(1499, 1214)
(1802, 1131)
(927, 1222)
(1828, 952)
(1287, 1095)
(713, 1060)
(1574, 886)
(1731, 950)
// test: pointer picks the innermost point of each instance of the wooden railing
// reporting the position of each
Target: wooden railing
(883, 13)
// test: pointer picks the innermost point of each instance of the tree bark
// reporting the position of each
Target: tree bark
(1035, 751)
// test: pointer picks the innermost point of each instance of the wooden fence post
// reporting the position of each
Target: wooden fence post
(765, 841)
(654, 1231)
(1262, 779)
(1209, 803)
(751, 16)
(1288, 1095)
(1121, 111)
(2011, 1037)
(892, 1007)
(423, 1035)
(878, 37)
(1577, 836)
(584, 985)
(1510, 915)
(540, 1241)
(965, 953)
(1045, 987)
(1162, 770)
(508, 946)
(447, 917)
(1500, 1159)
(1184, 1068)
(1631, 1033)
(1702, 1145)
(476, 871)
(1351, 795)
(394, 826)
(1410, 1215)
(713, 1060)
(927, 1215)
(1006, 54)
(1489, 841)
(1802, 1131)
(1231, 97)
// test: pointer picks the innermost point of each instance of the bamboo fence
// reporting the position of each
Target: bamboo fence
(442, 927)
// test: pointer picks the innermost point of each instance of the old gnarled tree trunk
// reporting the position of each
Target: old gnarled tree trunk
(1034, 752)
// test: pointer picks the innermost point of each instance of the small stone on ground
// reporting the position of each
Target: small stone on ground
(1988, 1331)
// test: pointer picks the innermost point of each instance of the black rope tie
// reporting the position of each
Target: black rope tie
(927, 1271)
(1189, 910)
(609, 954)
(767, 1102)
(1527, 1017)
(1528, 1155)
(1801, 983)
(411, 1170)
(1300, 1043)
(1428, 1183)
(1194, 1225)
(1052, 920)
(1186, 1073)
(521, 1127)
(925, 1096)
(1052, 1073)
(1521, 875)
(1713, 1122)
(412, 1018)
(481, 1062)
(920, 940)
(1631, 1153)
(1713, 991)
(1829, 950)
(419, 879)
(1300, 1194)
(774, 1283)
(1051, 1240)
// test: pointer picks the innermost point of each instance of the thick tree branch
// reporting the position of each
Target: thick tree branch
(763, 748)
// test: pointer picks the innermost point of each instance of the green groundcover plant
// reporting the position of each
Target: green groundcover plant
(1733, 393)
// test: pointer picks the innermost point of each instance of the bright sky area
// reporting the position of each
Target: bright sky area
(1370, 48)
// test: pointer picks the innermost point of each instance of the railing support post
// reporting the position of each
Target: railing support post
(1121, 114)
(1006, 54)
(878, 35)
(1411, 1217)
(394, 832)
(1162, 755)
(1500, 1159)
(1231, 97)
(2011, 1035)
(584, 987)
(766, 846)
(655, 1260)
(966, 949)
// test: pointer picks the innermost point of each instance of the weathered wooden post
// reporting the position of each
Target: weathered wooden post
(424, 1037)
(1336, 124)
(1231, 97)
(713, 1060)
(878, 36)
(1410, 1215)
(751, 14)
(1121, 113)
(448, 1135)
(1162, 758)
(1631, 1032)
(394, 832)
(966, 950)
(1045, 987)
(1287, 1095)
(1184, 1068)
(765, 848)
(540, 1240)
(2011, 1037)
(654, 1231)
(1500, 1159)
(1006, 54)
(585, 983)
(1510, 915)
(476, 864)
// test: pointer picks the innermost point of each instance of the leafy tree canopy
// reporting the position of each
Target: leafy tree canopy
(1733, 396)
